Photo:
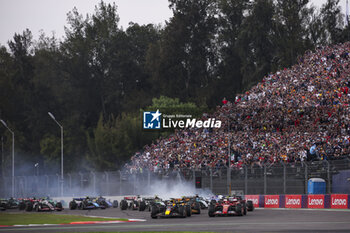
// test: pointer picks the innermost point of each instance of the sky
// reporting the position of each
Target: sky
(51, 15)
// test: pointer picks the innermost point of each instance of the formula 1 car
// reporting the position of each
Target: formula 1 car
(133, 203)
(84, 204)
(172, 208)
(27, 204)
(101, 201)
(193, 203)
(2, 205)
(47, 205)
(227, 207)
(9, 204)
(43, 204)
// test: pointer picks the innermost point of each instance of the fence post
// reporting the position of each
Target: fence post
(245, 179)
(211, 179)
(135, 176)
(58, 183)
(47, 184)
(70, 182)
(328, 177)
(107, 182)
(306, 176)
(194, 178)
(265, 180)
(284, 178)
(81, 182)
(120, 183)
(229, 181)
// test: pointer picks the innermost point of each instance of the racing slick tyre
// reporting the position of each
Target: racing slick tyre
(238, 209)
(81, 206)
(250, 206)
(22, 205)
(115, 204)
(59, 206)
(244, 208)
(211, 211)
(182, 212)
(37, 209)
(197, 207)
(72, 205)
(142, 206)
(123, 205)
(188, 210)
(29, 206)
(154, 212)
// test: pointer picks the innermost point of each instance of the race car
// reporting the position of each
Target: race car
(2, 205)
(84, 204)
(26, 204)
(104, 202)
(172, 208)
(133, 203)
(43, 204)
(229, 206)
(193, 203)
(9, 204)
(47, 205)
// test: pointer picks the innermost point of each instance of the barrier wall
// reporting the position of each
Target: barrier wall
(312, 201)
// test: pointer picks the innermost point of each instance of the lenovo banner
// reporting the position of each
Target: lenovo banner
(315, 201)
(293, 201)
(254, 199)
(339, 201)
(272, 201)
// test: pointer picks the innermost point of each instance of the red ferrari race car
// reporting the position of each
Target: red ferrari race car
(230, 206)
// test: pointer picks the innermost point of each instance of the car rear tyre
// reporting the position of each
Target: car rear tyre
(115, 204)
(142, 206)
(29, 206)
(154, 212)
(211, 211)
(250, 206)
(123, 205)
(239, 209)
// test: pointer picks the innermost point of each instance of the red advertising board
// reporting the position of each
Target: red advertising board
(254, 199)
(315, 201)
(339, 201)
(293, 201)
(272, 201)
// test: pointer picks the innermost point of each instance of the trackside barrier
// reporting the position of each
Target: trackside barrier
(311, 201)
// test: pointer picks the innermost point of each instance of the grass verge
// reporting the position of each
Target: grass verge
(10, 219)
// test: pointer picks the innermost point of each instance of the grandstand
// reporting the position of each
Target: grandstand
(294, 115)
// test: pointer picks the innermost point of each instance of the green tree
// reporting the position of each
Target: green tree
(231, 20)
(187, 57)
(291, 30)
(255, 42)
(333, 20)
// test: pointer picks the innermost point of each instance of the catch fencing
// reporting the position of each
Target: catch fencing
(277, 179)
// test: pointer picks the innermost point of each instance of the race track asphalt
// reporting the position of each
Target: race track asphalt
(260, 220)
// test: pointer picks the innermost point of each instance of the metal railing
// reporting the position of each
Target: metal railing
(277, 179)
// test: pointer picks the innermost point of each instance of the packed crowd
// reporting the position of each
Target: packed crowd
(293, 115)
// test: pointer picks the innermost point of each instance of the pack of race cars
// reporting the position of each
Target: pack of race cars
(173, 207)
(186, 206)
